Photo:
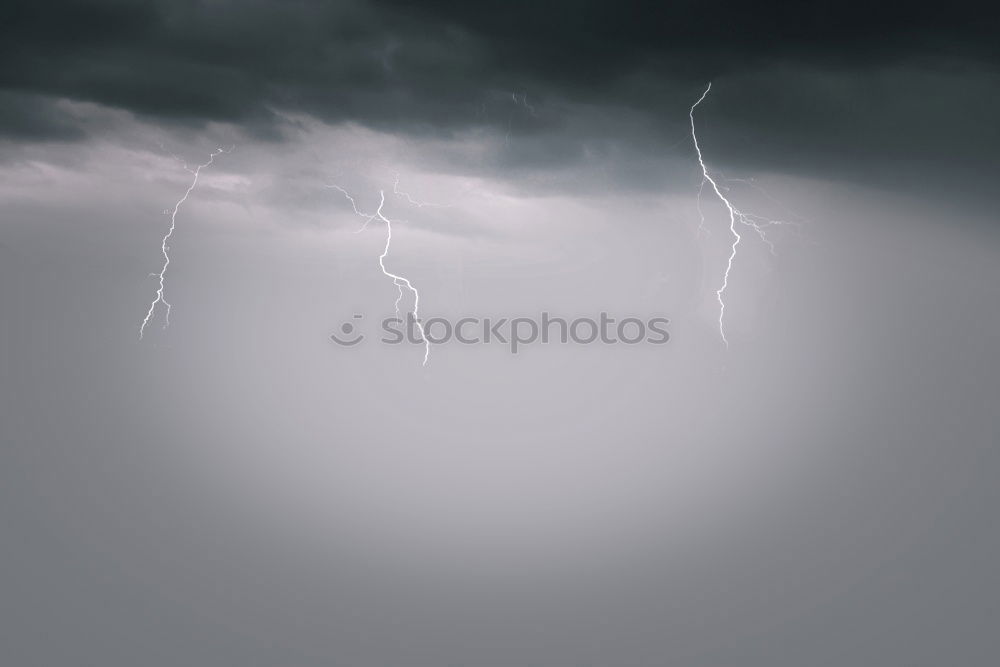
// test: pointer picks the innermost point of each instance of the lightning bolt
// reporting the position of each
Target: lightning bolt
(523, 102)
(165, 248)
(702, 229)
(399, 281)
(518, 101)
(354, 205)
(757, 223)
(411, 200)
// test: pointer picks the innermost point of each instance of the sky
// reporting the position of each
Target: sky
(808, 478)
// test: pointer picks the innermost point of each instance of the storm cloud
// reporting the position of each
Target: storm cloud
(822, 87)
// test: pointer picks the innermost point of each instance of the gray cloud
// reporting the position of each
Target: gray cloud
(35, 118)
(816, 85)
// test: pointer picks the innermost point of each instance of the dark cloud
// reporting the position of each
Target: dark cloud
(34, 117)
(816, 85)
(590, 42)
(226, 61)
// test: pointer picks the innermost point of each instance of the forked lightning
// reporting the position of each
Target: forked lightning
(165, 248)
(736, 217)
(398, 280)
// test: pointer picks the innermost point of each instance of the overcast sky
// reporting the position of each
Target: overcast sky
(237, 489)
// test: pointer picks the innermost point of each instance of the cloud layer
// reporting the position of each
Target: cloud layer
(853, 81)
